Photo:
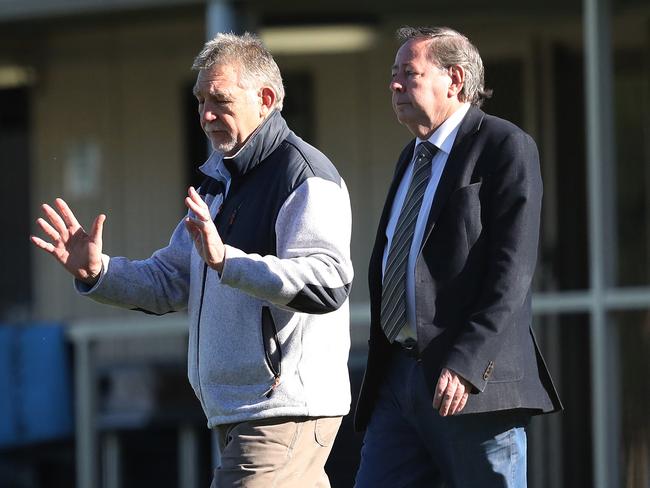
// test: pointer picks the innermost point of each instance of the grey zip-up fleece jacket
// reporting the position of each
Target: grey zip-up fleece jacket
(270, 336)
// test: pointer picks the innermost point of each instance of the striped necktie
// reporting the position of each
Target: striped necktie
(393, 296)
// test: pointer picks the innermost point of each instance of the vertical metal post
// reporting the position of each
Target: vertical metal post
(600, 144)
(188, 449)
(219, 17)
(111, 460)
(85, 436)
(214, 445)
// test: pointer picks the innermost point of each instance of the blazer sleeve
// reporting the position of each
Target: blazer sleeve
(513, 219)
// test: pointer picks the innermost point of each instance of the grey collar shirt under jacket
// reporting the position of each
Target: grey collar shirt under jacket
(215, 168)
(443, 138)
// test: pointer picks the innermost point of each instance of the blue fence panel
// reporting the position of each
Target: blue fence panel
(35, 384)
(8, 404)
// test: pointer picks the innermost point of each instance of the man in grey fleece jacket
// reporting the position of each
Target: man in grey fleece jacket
(261, 262)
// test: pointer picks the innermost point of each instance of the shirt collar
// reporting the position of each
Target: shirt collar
(443, 137)
(215, 168)
(262, 142)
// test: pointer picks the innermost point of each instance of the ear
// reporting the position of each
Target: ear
(457, 75)
(268, 100)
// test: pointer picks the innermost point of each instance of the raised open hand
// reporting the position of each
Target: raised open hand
(203, 231)
(78, 252)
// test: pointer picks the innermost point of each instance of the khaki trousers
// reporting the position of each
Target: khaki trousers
(288, 452)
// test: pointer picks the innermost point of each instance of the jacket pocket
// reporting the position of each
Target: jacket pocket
(272, 349)
(468, 211)
(457, 230)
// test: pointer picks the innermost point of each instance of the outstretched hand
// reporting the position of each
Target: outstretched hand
(203, 231)
(78, 252)
(451, 394)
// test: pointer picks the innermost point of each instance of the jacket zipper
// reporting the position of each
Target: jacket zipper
(276, 370)
(198, 331)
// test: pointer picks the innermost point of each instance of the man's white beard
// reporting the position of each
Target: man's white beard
(227, 146)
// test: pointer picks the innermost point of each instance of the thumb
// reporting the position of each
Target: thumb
(441, 386)
(98, 229)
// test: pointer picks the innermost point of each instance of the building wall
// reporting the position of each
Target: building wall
(112, 92)
(111, 95)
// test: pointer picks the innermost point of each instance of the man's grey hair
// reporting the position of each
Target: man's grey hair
(449, 48)
(257, 67)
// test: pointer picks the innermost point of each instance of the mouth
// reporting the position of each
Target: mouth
(215, 132)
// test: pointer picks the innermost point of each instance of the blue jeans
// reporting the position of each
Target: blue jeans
(408, 444)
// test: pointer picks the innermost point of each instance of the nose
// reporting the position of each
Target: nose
(207, 113)
(395, 85)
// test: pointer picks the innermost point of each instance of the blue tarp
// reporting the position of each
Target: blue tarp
(35, 384)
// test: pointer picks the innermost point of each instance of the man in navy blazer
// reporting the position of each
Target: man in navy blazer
(454, 372)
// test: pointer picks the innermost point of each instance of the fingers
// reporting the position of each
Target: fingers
(98, 228)
(48, 229)
(451, 394)
(441, 387)
(448, 398)
(194, 195)
(458, 397)
(462, 403)
(56, 220)
(201, 228)
(192, 229)
(67, 214)
(196, 210)
(202, 213)
(196, 204)
(40, 243)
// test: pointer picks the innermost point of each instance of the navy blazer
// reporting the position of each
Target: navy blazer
(473, 275)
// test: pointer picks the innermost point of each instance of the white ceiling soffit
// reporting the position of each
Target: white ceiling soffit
(15, 76)
(334, 38)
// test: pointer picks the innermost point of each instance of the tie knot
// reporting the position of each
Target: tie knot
(426, 150)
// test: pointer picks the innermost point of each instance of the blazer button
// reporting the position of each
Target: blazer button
(488, 371)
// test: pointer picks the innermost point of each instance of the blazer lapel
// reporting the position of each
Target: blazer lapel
(458, 158)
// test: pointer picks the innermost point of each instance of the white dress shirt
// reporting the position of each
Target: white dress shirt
(443, 138)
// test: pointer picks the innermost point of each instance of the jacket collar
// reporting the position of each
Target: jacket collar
(456, 163)
(266, 138)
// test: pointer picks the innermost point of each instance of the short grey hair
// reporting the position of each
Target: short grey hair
(257, 67)
(449, 48)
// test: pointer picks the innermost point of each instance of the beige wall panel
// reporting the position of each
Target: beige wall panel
(154, 162)
(72, 107)
(119, 91)
(341, 135)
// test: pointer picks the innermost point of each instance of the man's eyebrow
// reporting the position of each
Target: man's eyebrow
(396, 66)
(211, 92)
(220, 94)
